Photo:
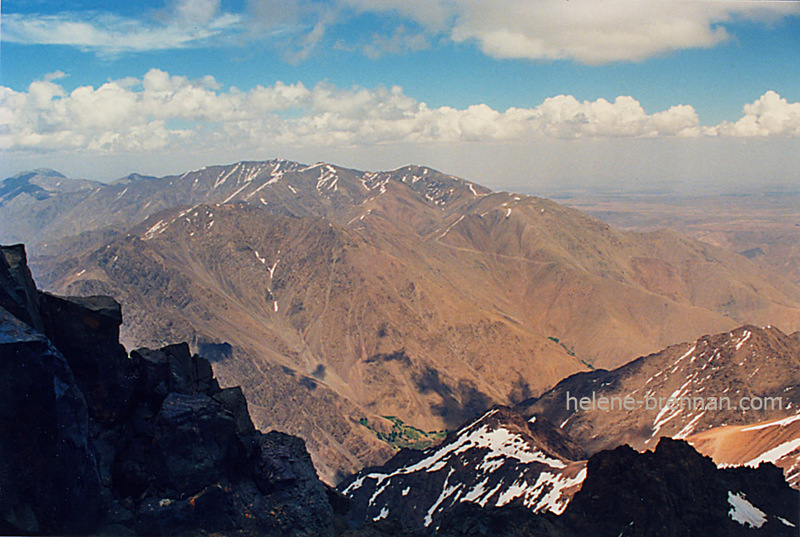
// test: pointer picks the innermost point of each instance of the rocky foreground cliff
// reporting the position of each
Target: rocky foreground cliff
(93, 440)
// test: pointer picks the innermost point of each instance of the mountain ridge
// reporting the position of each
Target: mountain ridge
(408, 293)
(710, 391)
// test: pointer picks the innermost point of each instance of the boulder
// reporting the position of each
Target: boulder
(86, 331)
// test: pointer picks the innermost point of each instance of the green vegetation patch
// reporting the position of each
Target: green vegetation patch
(404, 436)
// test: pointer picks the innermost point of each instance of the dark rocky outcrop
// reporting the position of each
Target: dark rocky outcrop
(675, 491)
(49, 480)
(95, 441)
(18, 293)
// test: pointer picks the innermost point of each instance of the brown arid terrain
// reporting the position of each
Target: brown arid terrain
(763, 226)
(337, 297)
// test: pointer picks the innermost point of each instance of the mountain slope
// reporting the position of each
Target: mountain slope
(499, 459)
(683, 390)
(500, 475)
(609, 296)
(775, 441)
(302, 301)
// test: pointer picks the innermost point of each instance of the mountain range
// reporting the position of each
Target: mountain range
(344, 300)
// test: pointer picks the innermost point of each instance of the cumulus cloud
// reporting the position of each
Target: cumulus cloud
(162, 111)
(770, 115)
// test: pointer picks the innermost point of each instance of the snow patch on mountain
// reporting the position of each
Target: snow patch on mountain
(491, 462)
(744, 512)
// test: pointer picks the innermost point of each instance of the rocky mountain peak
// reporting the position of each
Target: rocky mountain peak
(496, 460)
(734, 378)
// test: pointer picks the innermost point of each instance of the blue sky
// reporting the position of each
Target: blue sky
(489, 90)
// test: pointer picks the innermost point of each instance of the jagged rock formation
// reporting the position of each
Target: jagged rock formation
(93, 440)
(676, 491)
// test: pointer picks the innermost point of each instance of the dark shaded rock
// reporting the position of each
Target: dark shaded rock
(674, 492)
(86, 331)
(95, 442)
(18, 292)
(206, 383)
(339, 502)
(384, 528)
(470, 520)
(194, 435)
(49, 481)
(213, 508)
(234, 402)
(174, 369)
(284, 472)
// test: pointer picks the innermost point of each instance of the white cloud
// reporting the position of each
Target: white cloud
(195, 21)
(162, 111)
(592, 31)
(589, 31)
(196, 11)
(770, 115)
(400, 40)
(55, 75)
